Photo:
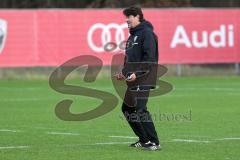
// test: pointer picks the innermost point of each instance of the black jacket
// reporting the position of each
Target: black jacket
(142, 48)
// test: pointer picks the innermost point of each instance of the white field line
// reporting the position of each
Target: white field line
(192, 136)
(210, 88)
(173, 140)
(94, 144)
(112, 143)
(63, 133)
(124, 137)
(9, 130)
(230, 138)
(190, 141)
(185, 140)
(14, 147)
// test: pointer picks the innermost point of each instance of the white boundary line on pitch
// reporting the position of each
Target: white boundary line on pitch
(230, 138)
(190, 141)
(9, 130)
(112, 143)
(192, 136)
(99, 143)
(63, 133)
(213, 88)
(173, 140)
(127, 137)
(14, 147)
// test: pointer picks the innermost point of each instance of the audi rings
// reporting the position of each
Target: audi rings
(107, 44)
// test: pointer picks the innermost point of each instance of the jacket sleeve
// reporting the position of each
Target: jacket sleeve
(149, 48)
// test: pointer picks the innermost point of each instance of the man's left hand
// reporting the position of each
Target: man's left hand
(131, 78)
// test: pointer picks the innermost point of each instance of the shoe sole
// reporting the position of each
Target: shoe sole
(149, 149)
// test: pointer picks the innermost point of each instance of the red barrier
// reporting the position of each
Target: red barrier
(50, 37)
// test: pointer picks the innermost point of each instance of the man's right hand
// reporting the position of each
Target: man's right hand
(120, 76)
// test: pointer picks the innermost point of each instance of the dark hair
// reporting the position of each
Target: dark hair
(134, 11)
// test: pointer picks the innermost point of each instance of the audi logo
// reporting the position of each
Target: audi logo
(3, 34)
(106, 40)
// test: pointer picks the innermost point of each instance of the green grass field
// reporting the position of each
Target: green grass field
(29, 129)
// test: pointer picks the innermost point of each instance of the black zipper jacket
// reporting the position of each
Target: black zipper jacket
(142, 50)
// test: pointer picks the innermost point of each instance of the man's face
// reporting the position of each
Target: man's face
(132, 21)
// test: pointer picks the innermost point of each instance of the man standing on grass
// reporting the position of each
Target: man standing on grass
(141, 49)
